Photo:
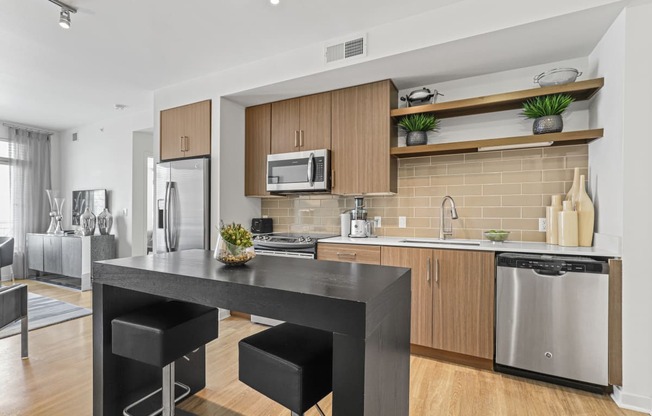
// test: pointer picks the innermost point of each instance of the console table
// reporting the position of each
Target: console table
(366, 307)
(68, 255)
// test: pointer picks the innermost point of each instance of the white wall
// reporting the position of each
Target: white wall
(143, 147)
(637, 223)
(101, 158)
(607, 111)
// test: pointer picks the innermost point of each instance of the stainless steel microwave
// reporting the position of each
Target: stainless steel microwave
(299, 171)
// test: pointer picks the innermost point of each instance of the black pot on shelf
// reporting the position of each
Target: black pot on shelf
(416, 138)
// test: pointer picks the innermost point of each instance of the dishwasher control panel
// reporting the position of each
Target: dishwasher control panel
(553, 264)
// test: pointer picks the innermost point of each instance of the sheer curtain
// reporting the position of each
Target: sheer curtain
(29, 173)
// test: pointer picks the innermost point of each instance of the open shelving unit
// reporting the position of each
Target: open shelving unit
(582, 90)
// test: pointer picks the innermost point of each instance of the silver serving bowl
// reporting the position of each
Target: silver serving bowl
(557, 76)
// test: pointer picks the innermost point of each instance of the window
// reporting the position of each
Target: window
(5, 206)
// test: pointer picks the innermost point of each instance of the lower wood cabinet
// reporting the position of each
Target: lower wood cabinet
(452, 298)
(350, 253)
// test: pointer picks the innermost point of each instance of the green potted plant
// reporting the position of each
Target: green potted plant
(546, 112)
(234, 245)
(417, 127)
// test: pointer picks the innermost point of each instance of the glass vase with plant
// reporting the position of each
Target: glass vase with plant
(546, 112)
(234, 245)
(417, 127)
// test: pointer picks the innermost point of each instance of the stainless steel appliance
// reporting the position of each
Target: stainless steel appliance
(285, 245)
(299, 171)
(262, 225)
(183, 205)
(358, 219)
(552, 318)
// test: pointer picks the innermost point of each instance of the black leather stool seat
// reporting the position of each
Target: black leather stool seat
(290, 364)
(164, 332)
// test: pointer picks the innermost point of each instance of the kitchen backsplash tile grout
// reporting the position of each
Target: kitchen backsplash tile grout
(502, 189)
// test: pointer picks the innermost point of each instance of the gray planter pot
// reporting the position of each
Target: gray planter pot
(547, 124)
(416, 138)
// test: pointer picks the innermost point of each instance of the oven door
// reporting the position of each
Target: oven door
(298, 171)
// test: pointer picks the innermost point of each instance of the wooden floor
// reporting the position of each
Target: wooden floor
(57, 379)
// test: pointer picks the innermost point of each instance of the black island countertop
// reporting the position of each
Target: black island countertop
(366, 307)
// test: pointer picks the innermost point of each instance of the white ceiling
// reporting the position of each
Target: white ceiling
(119, 51)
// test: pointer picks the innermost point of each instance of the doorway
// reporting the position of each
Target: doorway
(142, 192)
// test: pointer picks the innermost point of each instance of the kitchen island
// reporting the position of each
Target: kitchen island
(366, 307)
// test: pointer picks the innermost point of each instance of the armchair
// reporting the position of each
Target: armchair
(13, 306)
(7, 253)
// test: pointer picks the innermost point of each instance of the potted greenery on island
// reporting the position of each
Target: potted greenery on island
(546, 112)
(417, 127)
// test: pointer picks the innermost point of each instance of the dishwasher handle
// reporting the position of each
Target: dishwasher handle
(549, 273)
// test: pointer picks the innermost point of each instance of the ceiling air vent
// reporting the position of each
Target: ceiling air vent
(342, 49)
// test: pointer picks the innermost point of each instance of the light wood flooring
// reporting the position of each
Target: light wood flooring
(57, 379)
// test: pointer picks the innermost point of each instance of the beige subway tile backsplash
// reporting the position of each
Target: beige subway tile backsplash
(503, 189)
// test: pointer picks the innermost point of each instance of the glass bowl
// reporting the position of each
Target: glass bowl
(496, 236)
(231, 254)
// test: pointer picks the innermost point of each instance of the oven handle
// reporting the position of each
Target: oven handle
(311, 168)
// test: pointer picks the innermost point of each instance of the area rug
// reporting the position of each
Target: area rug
(44, 311)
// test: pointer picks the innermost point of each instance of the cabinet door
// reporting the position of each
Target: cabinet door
(71, 254)
(197, 129)
(258, 124)
(362, 135)
(349, 253)
(344, 145)
(464, 302)
(35, 252)
(420, 260)
(172, 134)
(315, 122)
(285, 126)
(376, 134)
(52, 254)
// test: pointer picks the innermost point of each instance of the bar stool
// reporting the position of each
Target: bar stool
(160, 334)
(290, 364)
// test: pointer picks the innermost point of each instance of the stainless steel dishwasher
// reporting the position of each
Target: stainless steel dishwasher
(552, 318)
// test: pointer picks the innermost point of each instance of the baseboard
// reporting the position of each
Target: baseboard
(452, 357)
(634, 402)
(224, 313)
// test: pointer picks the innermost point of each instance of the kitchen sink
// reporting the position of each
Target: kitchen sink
(453, 242)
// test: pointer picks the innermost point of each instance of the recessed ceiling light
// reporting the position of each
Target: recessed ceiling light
(119, 107)
(274, 2)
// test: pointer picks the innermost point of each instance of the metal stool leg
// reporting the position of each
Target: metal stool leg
(24, 331)
(168, 390)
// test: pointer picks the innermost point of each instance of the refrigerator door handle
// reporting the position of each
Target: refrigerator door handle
(173, 229)
(166, 218)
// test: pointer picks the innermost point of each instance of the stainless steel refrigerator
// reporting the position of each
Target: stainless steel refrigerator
(183, 205)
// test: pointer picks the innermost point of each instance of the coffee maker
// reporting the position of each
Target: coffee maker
(358, 219)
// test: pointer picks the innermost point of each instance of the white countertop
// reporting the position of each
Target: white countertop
(507, 246)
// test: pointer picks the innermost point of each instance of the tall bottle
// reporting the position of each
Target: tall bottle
(585, 216)
(552, 220)
(573, 192)
(568, 226)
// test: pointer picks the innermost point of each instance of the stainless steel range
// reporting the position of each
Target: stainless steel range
(288, 244)
(285, 245)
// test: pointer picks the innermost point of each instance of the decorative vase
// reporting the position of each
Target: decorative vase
(231, 254)
(547, 124)
(87, 222)
(585, 216)
(575, 188)
(105, 222)
(568, 226)
(58, 202)
(416, 138)
(552, 220)
(53, 211)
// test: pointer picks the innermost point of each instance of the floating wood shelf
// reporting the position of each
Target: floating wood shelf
(568, 138)
(582, 90)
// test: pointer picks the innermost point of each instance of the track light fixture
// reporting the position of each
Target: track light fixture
(64, 15)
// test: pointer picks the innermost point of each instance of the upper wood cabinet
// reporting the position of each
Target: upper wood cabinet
(452, 298)
(362, 134)
(301, 124)
(186, 131)
(258, 125)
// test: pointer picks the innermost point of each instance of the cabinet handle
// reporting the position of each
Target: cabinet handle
(437, 271)
(181, 143)
(333, 179)
(185, 143)
(428, 270)
(296, 138)
(346, 254)
(300, 138)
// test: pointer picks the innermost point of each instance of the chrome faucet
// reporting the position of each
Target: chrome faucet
(443, 233)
